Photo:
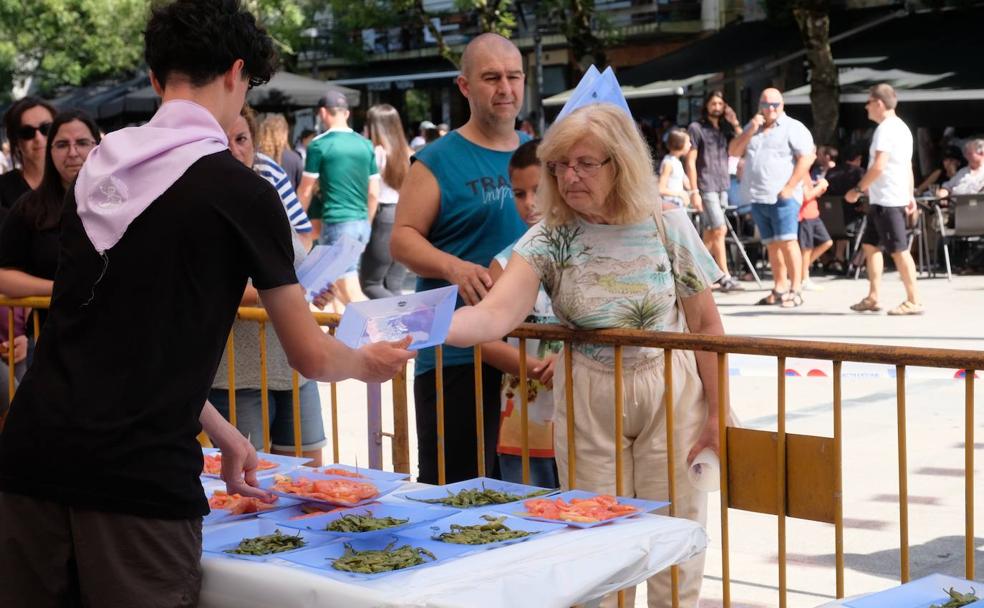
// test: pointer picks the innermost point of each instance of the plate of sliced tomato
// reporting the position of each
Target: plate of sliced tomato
(227, 507)
(328, 489)
(360, 473)
(584, 509)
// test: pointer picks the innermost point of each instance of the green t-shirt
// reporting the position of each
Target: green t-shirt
(343, 161)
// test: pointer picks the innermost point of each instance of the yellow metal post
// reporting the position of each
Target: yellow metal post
(618, 438)
(670, 461)
(439, 379)
(231, 364)
(569, 398)
(903, 474)
(479, 412)
(11, 378)
(969, 473)
(295, 402)
(781, 478)
(839, 483)
(722, 363)
(524, 410)
(264, 397)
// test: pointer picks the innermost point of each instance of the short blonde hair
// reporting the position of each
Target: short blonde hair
(634, 193)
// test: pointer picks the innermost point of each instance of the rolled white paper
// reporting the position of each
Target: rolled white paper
(705, 471)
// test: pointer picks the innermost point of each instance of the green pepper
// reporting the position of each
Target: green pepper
(468, 498)
(957, 599)
(481, 534)
(277, 542)
(388, 559)
(363, 523)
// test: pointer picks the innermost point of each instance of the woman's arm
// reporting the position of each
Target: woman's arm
(511, 299)
(703, 318)
(18, 284)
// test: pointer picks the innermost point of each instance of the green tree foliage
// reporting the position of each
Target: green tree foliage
(68, 42)
(75, 42)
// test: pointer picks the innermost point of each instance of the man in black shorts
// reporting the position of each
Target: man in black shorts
(889, 184)
(100, 497)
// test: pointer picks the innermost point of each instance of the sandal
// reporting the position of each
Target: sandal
(774, 297)
(865, 305)
(907, 308)
(792, 299)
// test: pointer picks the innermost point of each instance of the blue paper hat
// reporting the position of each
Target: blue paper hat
(596, 87)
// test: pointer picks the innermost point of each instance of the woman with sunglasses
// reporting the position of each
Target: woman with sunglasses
(29, 236)
(27, 123)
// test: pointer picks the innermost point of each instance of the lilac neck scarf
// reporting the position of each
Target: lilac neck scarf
(132, 167)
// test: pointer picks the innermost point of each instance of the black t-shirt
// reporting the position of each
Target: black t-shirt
(107, 416)
(12, 187)
(24, 247)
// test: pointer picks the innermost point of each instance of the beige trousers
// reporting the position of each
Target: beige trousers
(643, 445)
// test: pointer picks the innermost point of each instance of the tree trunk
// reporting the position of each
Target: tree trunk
(813, 20)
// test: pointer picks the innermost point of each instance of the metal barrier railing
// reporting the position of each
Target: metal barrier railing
(802, 478)
(400, 435)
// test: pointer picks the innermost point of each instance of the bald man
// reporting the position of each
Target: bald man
(778, 152)
(456, 213)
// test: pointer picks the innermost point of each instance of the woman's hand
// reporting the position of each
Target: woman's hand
(708, 438)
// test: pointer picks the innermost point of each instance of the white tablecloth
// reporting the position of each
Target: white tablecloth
(563, 569)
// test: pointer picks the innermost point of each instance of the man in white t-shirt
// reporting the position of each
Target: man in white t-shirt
(889, 184)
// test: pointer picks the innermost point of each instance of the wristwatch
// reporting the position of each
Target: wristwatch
(858, 190)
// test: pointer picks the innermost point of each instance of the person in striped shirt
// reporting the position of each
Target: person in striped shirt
(275, 174)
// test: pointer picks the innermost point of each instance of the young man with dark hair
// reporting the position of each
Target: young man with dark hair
(100, 498)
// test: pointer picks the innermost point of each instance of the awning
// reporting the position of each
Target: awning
(396, 78)
(661, 88)
(925, 56)
(738, 45)
(291, 91)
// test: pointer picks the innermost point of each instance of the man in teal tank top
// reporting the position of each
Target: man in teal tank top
(456, 212)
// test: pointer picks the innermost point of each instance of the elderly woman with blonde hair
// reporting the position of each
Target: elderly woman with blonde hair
(609, 256)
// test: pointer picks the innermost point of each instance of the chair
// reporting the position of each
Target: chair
(832, 213)
(968, 220)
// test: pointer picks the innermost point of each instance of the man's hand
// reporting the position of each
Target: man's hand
(473, 281)
(696, 202)
(545, 371)
(852, 196)
(383, 360)
(911, 207)
(942, 193)
(756, 123)
(730, 116)
(822, 185)
(786, 193)
(708, 438)
(324, 298)
(20, 349)
(239, 469)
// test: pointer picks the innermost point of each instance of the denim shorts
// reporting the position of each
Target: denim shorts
(358, 230)
(714, 203)
(777, 221)
(543, 471)
(249, 420)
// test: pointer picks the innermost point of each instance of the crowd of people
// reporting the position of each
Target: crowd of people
(209, 201)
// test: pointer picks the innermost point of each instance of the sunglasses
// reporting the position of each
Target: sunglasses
(255, 81)
(772, 105)
(27, 132)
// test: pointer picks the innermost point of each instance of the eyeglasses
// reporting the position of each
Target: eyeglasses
(82, 145)
(27, 132)
(256, 81)
(581, 167)
(772, 105)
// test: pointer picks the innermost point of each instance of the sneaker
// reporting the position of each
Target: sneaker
(809, 285)
(729, 284)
